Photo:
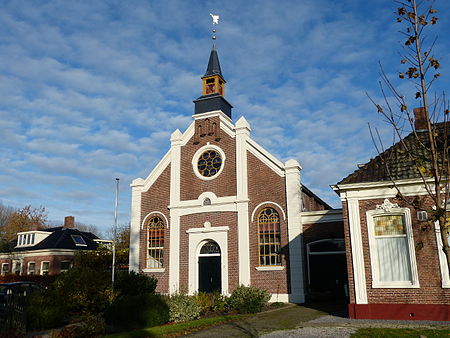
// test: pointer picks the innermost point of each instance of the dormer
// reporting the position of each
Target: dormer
(30, 238)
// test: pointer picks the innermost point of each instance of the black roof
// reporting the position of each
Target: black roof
(399, 161)
(213, 64)
(61, 238)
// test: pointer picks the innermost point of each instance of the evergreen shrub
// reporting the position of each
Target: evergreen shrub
(134, 283)
(137, 311)
(211, 302)
(44, 311)
(183, 308)
(248, 299)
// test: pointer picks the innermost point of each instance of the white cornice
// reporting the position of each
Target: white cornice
(37, 253)
(372, 190)
(322, 216)
(371, 185)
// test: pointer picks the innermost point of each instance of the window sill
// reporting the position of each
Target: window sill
(395, 285)
(154, 270)
(270, 268)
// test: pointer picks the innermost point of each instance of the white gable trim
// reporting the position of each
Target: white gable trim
(268, 202)
(154, 174)
(265, 157)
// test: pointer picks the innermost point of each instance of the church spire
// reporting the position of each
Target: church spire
(213, 64)
(213, 88)
(213, 81)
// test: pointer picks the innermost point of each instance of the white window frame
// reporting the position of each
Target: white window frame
(445, 276)
(197, 155)
(14, 267)
(3, 269)
(65, 261)
(391, 211)
(42, 268)
(28, 268)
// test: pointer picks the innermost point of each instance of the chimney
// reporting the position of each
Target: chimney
(420, 120)
(69, 222)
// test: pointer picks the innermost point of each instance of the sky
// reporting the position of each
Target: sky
(92, 90)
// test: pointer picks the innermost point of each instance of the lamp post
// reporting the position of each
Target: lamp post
(116, 204)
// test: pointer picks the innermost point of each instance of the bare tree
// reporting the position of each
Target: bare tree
(429, 153)
(5, 211)
(88, 228)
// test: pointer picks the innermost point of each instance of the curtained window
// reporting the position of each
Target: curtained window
(391, 244)
(392, 248)
(155, 242)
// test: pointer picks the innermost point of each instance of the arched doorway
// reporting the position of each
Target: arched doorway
(209, 268)
(327, 270)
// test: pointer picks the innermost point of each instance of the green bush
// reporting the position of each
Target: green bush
(85, 290)
(135, 311)
(134, 284)
(211, 302)
(183, 308)
(45, 311)
(248, 299)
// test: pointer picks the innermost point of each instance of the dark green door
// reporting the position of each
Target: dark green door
(210, 279)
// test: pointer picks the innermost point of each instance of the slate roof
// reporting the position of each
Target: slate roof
(213, 64)
(397, 160)
(60, 238)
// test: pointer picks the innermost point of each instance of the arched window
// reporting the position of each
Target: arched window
(269, 237)
(155, 242)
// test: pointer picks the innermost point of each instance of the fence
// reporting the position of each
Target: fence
(12, 314)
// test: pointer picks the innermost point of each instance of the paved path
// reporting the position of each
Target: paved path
(302, 321)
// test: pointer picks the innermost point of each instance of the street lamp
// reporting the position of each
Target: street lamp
(115, 233)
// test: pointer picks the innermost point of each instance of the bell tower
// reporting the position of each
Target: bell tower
(213, 83)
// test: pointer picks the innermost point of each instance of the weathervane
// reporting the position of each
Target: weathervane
(215, 21)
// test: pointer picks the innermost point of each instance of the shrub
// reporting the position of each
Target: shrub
(183, 308)
(248, 299)
(134, 311)
(44, 311)
(84, 290)
(134, 284)
(214, 302)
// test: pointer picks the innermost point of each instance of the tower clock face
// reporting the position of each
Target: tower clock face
(209, 163)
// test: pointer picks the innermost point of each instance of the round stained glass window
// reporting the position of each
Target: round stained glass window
(209, 163)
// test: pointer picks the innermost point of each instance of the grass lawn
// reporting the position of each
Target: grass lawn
(383, 332)
(177, 328)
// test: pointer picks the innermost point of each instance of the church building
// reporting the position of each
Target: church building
(219, 211)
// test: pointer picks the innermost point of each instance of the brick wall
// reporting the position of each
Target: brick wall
(265, 185)
(309, 203)
(157, 199)
(216, 219)
(430, 291)
(54, 263)
(225, 183)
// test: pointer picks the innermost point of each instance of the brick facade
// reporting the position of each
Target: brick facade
(429, 301)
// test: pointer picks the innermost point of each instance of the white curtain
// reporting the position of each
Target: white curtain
(393, 259)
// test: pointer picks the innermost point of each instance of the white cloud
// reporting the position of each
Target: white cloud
(90, 91)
